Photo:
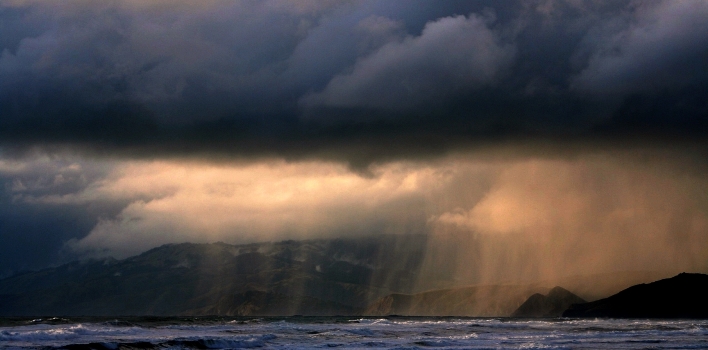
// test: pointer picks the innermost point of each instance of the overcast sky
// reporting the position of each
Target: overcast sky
(125, 125)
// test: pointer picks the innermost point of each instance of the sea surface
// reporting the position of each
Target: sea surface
(350, 333)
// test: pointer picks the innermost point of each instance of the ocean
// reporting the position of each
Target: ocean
(350, 333)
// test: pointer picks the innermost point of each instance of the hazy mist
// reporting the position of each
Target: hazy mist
(489, 217)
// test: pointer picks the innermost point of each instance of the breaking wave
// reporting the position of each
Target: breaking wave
(340, 332)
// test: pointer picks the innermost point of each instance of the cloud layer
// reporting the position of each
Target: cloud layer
(344, 80)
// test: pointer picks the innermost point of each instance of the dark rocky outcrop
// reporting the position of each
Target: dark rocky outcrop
(682, 296)
(550, 305)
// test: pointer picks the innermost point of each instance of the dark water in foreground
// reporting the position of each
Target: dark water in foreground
(351, 333)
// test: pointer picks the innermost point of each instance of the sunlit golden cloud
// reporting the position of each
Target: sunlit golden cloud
(495, 218)
(271, 200)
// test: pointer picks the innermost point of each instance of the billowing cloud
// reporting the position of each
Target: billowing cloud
(451, 56)
(660, 45)
(169, 59)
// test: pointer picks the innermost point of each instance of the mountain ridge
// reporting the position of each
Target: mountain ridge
(377, 275)
(198, 279)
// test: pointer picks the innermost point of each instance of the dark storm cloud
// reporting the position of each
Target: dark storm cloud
(452, 56)
(352, 81)
(661, 46)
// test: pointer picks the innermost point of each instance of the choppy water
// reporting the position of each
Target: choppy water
(351, 333)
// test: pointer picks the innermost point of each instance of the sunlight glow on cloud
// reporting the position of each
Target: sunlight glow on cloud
(273, 200)
(496, 217)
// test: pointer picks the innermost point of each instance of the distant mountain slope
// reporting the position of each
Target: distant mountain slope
(487, 300)
(316, 277)
(550, 305)
(375, 275)
(503, 299)
(682, 296)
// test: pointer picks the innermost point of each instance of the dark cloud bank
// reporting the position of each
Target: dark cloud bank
(356, 82)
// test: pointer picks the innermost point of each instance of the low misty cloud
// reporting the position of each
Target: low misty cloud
(34, 232)
(262, 202)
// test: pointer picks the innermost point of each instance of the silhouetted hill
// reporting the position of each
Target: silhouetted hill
(315, 277)
(682, 296)
(503, 299)
(550, 305)
(593, 287)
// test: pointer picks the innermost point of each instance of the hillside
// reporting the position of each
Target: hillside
(316, 277)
